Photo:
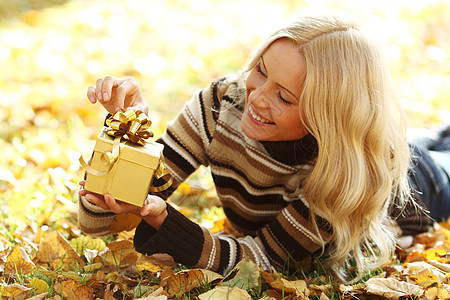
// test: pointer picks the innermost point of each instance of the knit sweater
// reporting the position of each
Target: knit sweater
(259, 185)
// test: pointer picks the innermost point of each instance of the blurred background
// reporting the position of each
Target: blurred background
(52, 50)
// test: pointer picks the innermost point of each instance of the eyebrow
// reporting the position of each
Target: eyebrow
(262, 60)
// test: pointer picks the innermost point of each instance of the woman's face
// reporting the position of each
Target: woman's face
(273, 90)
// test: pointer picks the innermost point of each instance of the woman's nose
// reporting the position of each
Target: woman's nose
(259, 96)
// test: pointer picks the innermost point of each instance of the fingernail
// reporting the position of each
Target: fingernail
(92, 99)
(99, 96)
(105, 96)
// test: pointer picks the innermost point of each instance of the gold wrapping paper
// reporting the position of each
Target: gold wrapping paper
(130, 176)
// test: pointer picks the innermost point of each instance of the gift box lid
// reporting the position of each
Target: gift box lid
(148, 155)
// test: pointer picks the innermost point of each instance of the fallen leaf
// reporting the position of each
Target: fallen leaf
(183, 282)
(299, 287)
(245, 275)
(93, 267)
(73, 290)
(436, 293)
(19, 262)
(55, 250)
(416, 256)
(83, 242)
(40, 296)
(440, 266)
(123, 222)
(323, 297)
(225, 292)
(425, 278)
(14, 291)
(121, 254)
(38, 285)
(392, 288)
(435, 253)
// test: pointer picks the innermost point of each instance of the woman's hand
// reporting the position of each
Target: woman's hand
(117, 93)
(153, 211)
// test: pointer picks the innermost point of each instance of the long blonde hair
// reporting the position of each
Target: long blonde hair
(363, 156)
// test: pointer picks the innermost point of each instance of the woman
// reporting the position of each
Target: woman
(307, 149)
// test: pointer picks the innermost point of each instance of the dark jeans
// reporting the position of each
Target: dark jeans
(430, 173)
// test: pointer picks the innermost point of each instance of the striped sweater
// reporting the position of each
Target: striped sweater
(260, 191)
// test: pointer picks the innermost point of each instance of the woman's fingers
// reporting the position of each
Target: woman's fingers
(97, 200)
(119, 207)
(153, 206)
(91, 94)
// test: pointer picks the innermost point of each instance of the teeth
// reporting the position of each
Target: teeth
(258, 118)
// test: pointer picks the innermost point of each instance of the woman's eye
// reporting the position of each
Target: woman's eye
(287, 102)
(260, 71)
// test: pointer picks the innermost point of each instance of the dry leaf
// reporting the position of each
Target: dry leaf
(425, 278)
(39, 285)
(161, 260)
(93, 267)
(299, 287)
(417, 267)
(147, 263)
(435, 253)
(225, 292)
(437, 293)
(392, 288)
(56, 250)
(14, 291)
(19, 262)
(41, 296)
(73, 290)
(245, 275)
(121, 254)
(183, 282)
(323, 297)
(415, 257)
(125, 222)
(440, 266)
(83, 242)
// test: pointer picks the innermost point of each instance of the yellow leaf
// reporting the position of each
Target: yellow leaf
(299, 287)
(146, 263)
(425, 278)
(123, 222)
(14, 291)
(92, 267)
(39, 285)
(19, 262)
(56, 250)
(434, 254)
(73, 290)
(87, 242)
(182, 282)
(121, 254)
(224, 292)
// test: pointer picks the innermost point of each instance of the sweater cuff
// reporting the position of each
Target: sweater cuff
(178, 236)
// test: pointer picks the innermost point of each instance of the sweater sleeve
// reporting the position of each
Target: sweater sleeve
(412, 218)
(196, 247)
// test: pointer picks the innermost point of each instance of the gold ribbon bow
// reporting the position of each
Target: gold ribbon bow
(132, 125)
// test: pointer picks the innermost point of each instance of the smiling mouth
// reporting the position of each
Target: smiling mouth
(257, 117)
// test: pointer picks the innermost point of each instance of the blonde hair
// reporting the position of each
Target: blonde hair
(363, 155)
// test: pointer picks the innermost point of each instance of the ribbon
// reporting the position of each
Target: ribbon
(134, 126)
(131, 124)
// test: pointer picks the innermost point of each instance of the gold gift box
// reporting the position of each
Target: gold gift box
(130, 175)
